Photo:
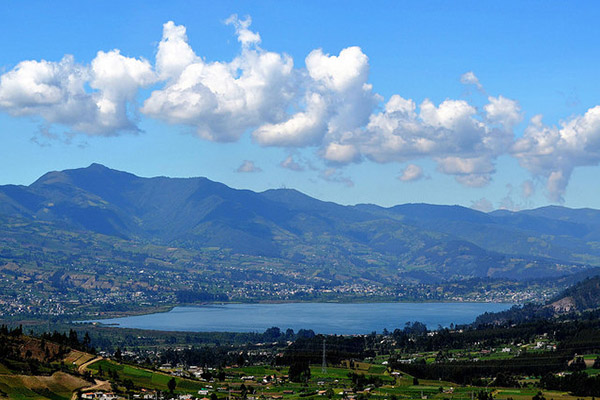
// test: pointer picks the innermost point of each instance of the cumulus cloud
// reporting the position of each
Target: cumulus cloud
(483, 205)
(527, 189)
(504, 112)
(221, 100)
(411, 173)
(337, 101)
(248, 166)
(507, 202)
(552, 152)
(291, 164)
(469, 78)
(245, 36)
(56, 91)
(463, 142)
(336, 176)
(327, 104)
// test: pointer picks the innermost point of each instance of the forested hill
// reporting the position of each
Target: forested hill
(417, 242)
(585, 295)
(581, 297)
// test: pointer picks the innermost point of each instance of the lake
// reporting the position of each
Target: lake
(327, 318)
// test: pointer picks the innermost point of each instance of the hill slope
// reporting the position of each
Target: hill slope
(417, 241)
(582, 296)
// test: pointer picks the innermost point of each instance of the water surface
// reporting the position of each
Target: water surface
(327, 318)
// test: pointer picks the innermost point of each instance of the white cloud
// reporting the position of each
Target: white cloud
(528, 189)
(553, 152)
(248, 166)
(483, 205)
(503, 111)
(335, 176)
(301, 129)
(56, 91)
(507, 202)
(411, 173)
(291, 164)
(328, 105)
(221, 99)
(245, 36)
(174, 53)
(337, 101)
(341, 153)
(462, 142)
(339, 73)
(469, 78)
(117, 79)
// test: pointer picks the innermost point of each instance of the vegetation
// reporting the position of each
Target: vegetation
(97, 242)
(538, 359)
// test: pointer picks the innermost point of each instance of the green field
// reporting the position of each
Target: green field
(143, 378)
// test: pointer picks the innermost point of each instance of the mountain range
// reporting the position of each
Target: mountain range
(421, 242)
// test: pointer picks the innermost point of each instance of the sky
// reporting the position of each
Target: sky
(487, 105)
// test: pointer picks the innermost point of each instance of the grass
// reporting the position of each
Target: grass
(78, 358)
(145, 378)
(377, 369)
(59, 386)
(403, 387)
(258, 371)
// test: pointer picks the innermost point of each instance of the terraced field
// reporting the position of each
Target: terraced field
(59, 386)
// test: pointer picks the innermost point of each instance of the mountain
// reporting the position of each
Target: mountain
(413, 241)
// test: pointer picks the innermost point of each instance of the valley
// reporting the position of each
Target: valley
(95, 241)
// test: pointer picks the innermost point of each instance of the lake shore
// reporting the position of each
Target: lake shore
(331, 318)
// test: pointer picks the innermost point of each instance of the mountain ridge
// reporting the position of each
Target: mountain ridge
(443, 242)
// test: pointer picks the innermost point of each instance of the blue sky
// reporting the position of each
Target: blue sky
(483, 104)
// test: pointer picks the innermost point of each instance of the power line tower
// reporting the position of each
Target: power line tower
(324, 363)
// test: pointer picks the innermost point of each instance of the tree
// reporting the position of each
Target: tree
(578, 364)
(506, 380)
(299, 371)
(221, 375)
(128, 383)
(538, 396)
(172, 384)
(86, 341)
(484, 395)
(415, 381)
